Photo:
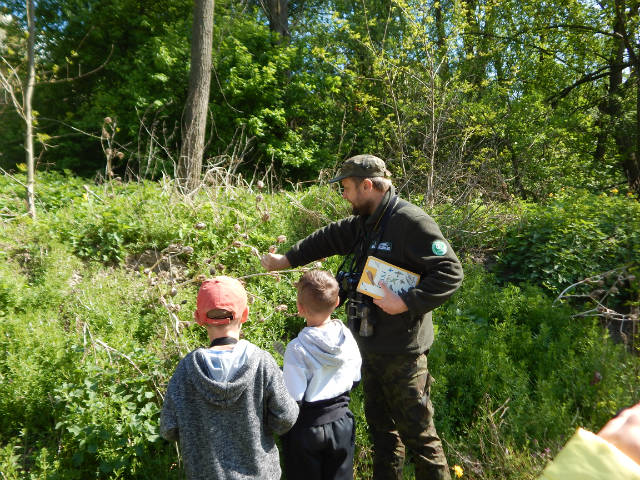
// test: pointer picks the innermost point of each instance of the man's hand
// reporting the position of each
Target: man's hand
(390, 302)
(623, 431)
(274, 261)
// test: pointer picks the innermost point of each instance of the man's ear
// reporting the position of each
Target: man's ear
(367, 184)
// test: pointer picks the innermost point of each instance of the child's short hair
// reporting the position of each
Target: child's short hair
(318, 291)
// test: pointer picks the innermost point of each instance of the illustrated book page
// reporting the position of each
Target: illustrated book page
(375, 271)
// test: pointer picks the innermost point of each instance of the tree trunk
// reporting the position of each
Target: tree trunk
(603, 134)
(28, 113)
(628, 150)
(610, 108)
(471, 44)
(279, 17)
(632, 162)
(195, 116)
(517, 171)
(441, 42)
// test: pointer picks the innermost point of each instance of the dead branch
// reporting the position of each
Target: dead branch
(78, 77)
(126, 357)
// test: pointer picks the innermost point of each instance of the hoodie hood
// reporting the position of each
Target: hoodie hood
(321, 363)
(328, 345)
(222, 376)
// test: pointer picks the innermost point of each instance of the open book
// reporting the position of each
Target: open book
(375, 271)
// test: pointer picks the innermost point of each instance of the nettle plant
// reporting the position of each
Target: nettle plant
(105, 410)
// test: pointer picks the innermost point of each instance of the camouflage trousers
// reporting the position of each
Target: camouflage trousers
(399, 412)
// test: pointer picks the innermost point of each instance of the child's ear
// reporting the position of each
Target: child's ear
(300, 308)
(337, 303)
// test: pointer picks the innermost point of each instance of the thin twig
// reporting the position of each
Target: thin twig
(4, 172)
(274, 274)
(83, 75)
(589, 279)
(88, 190)
(109, 348)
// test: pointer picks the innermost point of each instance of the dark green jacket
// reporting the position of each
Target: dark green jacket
(407, 242)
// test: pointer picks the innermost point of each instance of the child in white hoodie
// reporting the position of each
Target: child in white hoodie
(321, 366)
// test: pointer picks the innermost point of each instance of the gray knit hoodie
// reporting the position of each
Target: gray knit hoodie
(224, 409)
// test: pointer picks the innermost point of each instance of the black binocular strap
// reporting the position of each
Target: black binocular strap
(365, 242)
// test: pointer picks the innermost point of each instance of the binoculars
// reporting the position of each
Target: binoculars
(359, 318)
(347, 284)
(359, 307)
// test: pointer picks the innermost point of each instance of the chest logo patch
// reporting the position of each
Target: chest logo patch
(439, 248)
(382, 246)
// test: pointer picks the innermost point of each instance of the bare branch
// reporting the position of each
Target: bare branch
(590, 77)
(111, 349)
(4, 172)
(7, 86)
(84, 75)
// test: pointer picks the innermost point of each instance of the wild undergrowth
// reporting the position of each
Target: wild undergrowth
(96, 302)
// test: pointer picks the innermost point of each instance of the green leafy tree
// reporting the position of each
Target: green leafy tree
(144, 63)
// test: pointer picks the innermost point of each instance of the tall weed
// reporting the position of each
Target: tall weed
(508, 349)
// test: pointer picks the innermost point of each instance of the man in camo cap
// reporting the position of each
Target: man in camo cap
(395, 332)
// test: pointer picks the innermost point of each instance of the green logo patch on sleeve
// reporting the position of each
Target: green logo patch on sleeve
(439, 248)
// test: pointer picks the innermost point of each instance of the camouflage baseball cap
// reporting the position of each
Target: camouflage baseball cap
(363, 166)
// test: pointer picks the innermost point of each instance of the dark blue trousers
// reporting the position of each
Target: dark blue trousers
(323, 452)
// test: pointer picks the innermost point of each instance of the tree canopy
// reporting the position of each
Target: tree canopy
(506, 98)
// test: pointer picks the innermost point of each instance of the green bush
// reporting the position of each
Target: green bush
(572, 237)
(476, 229)
(507, 349)
(108, 422)
(10, 285)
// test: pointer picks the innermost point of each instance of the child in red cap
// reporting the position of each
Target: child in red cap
(225, 403)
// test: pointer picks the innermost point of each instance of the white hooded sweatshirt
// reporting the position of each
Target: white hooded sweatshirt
(321, 362)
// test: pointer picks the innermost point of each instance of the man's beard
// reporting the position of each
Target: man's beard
(363, 209)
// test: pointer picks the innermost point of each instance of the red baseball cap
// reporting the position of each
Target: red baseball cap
(220, 294)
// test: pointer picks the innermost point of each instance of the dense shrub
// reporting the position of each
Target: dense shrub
(107, 420)
(476, 228)
(572, 237)
(513, 369)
